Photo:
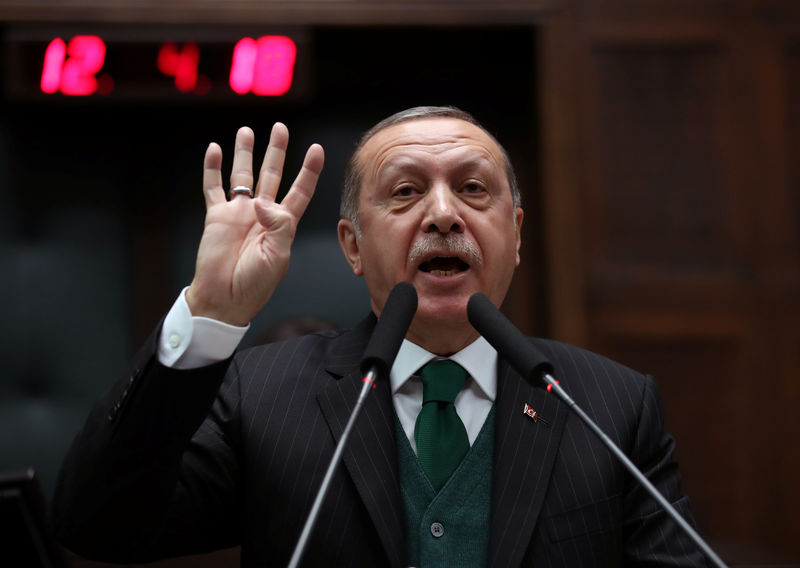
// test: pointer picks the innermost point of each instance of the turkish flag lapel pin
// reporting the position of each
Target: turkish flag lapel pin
(533, 415)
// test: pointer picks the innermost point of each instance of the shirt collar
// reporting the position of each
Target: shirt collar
(478, 358)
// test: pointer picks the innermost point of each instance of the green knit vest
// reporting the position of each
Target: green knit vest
(450, 528)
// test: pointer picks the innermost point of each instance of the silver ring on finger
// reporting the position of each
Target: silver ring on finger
(241, 190)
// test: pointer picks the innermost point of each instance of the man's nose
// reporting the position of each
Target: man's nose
(442, 211)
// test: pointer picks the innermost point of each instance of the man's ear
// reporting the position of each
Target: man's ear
(518, 215)
(349, 244)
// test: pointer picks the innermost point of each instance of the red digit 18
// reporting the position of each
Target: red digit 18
(71, 68)
(264, 67)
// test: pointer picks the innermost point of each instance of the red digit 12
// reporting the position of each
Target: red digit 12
(71, 68)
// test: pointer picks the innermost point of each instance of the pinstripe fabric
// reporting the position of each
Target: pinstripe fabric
(579, 507)
(298, 397)
(524, 455)
(252, 469)
(370, 457)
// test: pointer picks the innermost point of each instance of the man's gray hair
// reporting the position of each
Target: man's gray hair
(353, 174)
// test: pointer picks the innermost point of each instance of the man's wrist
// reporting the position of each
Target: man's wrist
(203, 309)
(189, 342)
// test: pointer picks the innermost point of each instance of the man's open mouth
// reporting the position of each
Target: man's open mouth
(444, 266)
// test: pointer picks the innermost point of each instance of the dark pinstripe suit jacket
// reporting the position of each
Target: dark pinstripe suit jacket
(153, 473)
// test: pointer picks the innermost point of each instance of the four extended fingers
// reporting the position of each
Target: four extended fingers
(299, 194)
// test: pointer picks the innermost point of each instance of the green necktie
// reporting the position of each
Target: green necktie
(441, 438)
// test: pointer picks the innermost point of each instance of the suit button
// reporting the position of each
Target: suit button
(437, 530)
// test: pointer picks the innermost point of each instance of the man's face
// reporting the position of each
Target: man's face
(435, 209)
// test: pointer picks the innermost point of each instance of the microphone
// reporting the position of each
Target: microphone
(495, 327)
(379, 356)
(504, 336)
(398, 311)
(529, 362)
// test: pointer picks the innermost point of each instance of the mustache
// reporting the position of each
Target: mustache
(450, 244)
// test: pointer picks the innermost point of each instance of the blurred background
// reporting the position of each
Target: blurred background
(655, 142)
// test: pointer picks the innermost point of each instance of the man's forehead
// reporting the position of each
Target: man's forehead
(435, 135)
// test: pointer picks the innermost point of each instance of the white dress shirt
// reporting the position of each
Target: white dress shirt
(188, 342)
(472, 404)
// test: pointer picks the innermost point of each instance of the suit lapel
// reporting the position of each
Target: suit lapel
(370, 456)
(525, 452)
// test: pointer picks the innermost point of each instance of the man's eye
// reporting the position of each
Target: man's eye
(473, 188)
(403, 191)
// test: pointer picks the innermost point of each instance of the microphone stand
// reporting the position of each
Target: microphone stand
(553, 385)
(302, 542)
(381, 351)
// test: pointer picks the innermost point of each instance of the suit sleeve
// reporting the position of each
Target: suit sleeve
(652, 538)
(135, 484)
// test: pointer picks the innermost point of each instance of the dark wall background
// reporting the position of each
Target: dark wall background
(102, 206)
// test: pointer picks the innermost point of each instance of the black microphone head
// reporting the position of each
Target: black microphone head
(507, 339)
(398, 311)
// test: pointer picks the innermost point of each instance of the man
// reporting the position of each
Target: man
(175, 459)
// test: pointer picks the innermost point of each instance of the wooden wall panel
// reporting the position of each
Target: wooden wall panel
(680, 166)
(655, 189)
(787, 239)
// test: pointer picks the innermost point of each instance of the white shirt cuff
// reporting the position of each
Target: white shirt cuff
(189, 342)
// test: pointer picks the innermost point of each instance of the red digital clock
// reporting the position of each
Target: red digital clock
(125, 63)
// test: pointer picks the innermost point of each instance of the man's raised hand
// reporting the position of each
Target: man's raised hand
(244, 251)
